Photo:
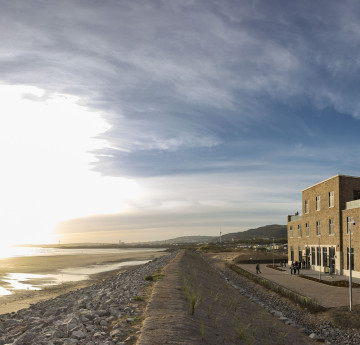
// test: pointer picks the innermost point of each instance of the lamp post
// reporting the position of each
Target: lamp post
(320, 259)
(273, 253)
(351, 222)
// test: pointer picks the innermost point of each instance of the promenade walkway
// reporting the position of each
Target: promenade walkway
(325, 295)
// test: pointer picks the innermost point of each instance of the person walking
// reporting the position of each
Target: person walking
(257, 268)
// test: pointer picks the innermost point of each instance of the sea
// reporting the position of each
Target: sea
(10, 282)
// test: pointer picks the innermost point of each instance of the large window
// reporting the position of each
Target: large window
(331, 199)
(331, 226)
(291, 231)
(318, 228)
(318, 203)
(318, 256)
(313, 255)
(292, 253)
(325, 257)
(307, 229)
(299, 230)
(352, 258)
(306, 206)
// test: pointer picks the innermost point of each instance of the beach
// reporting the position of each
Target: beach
(50, 265)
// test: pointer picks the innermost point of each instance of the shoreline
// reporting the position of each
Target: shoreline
(20, 299)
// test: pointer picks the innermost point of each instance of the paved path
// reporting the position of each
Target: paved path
(325, 295)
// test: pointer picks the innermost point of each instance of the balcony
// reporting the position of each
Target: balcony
(297, 217)
(352, 204)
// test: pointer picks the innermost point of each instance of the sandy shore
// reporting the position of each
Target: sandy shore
(50, 264)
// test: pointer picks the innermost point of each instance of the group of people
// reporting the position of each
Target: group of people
(295, 267)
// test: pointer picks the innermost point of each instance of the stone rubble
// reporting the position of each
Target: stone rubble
(101, 314)
(297, 317)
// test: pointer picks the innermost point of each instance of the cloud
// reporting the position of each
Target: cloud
(198, 88)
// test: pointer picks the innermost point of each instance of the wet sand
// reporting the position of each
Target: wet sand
(50, 264)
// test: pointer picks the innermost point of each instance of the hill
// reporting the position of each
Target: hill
(267, 231)
(263, 232)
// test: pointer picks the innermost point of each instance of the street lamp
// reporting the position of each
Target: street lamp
(273, 253)
(351, 222)
(320, 259)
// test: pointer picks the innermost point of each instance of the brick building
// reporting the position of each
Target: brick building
(320, 236)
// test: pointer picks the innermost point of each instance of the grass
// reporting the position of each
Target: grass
(338, 283)
(202, 330)
(191, 292)
(154, 277)
(276, 267)
(304, 301)
(139, 298)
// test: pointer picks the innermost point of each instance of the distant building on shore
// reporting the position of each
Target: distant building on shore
(320, 235)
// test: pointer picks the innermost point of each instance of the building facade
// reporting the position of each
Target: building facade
(320, 236)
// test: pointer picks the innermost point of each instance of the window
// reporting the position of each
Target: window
(292, 253)
(306, 206)
(318, 256)
(325, 257)
(313, 255)
(350, 221)
(318, 228)
(318, 203)
(291, 231)
(331, 227)
(352, 258)
(331, 199)
(356, 194)
(299, 230)
(300, 254)
(307, 229)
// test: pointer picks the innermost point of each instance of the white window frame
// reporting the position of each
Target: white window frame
(331, 199)
(306, 206)
(317, 200)
(291, 231)
(299, 230)
(331, 226)
(318, 228)
(307, 229)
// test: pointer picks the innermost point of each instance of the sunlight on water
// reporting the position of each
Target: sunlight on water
(13, 251)
(21, 281)
(25, 281)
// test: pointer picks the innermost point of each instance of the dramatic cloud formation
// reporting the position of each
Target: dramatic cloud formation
(209, 108)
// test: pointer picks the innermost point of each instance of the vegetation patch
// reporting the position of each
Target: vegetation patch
(191, 292)
(304, 301)
(153, 277)
(338, 283)
(276, 267)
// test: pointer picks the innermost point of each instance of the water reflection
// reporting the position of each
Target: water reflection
(26, 281)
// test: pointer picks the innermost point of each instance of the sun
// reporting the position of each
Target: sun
(47, 145)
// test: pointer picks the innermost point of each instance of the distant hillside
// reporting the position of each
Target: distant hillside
(267, 231)
(187, 239)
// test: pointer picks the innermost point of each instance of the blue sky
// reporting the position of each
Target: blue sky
(206, 114)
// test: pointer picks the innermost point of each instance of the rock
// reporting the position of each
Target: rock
(77, 335)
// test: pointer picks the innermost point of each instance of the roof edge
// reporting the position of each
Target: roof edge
(330, 178)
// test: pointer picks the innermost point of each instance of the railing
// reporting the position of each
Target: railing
(297, 217)
(352, 204)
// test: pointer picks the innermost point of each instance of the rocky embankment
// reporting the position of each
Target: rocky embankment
(102, 314)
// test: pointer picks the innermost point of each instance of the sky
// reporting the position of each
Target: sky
(146, 120)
